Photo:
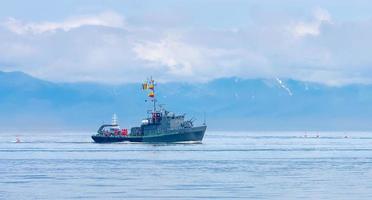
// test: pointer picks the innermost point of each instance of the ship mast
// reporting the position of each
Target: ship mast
(114, 120)
(149, 85)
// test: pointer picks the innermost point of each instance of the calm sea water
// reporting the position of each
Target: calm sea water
(240, 165)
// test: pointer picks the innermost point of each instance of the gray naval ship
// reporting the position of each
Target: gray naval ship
(161, 126)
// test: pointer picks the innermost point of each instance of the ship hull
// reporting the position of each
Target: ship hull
(194, 134)
(108, 139)
(187, 135)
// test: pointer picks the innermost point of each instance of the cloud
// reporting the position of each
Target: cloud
(106, 19)
(198, 62)
(312, 28)
(105, 47)
(178, 57)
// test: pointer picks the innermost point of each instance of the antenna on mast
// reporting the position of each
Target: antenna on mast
(114, 120)
(204, 123)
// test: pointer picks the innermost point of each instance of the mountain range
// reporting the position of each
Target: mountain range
(31, 104)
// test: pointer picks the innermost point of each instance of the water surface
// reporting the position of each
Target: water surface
(227, 165)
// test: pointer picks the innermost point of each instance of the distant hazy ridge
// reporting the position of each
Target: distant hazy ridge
(27, 103)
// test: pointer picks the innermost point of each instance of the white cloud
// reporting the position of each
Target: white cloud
(312, 28)
(336, 53)
(197, 62)
(180, 58)
(106, 19)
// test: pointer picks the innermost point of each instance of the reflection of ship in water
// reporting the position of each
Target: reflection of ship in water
(160, 126)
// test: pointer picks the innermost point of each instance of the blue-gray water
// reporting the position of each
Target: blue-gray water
(242, 165)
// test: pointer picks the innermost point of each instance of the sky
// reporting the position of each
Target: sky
(111, 41)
